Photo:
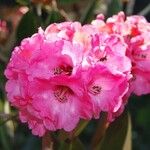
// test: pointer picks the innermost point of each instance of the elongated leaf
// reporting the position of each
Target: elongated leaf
(87, 15)
(116, 134)
(54, 16)
(100, 130)
(28, 25)
(75, 144)
(23, 2)
(68, 1)
(5, 139)
(128, 141)
(114, 7)
(32, 143)
(80, 127)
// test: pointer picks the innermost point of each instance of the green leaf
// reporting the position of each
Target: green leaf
(62, 136)
(80, 127)
(23, 2)
(54, 16)
(87, 15)
(116, 134)
(5, 139)
(142, 116)
(114, 7)
(128, 141)
(32, 143)
(100, 130)
(75, 144)
(27, 26)
(67, 1)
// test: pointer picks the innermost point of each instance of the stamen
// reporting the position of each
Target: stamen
(66, 70)
(57, 71)
(95, 90)
(61, 93)
(133, 78)
(103, 58)
(141, 56)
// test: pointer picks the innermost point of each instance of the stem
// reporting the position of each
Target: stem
(6, 116)
(70, 146)
(3, 58)
(130, 7)
(88, 11)
(64, 14)
(47, 142)
(100, 131)
(81, 126)
(145, 11)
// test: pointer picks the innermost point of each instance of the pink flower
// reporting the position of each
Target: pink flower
(105, 89)
(54, 104)
(66, 73)
(136, 33)
(71, 31)
(63, 30)
(140, 56)
(139, 53)
(110, 50)
(44, 84)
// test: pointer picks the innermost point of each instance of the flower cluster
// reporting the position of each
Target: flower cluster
(136, 33)
(70, 72)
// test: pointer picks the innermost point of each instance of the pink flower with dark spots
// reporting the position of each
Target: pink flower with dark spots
(71, 72)
(136, 33)
(110, 51)
(105, 89)
(43, 83)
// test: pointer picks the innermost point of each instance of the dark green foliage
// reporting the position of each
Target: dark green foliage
(115, 135)
(28, 26)
(114, 7)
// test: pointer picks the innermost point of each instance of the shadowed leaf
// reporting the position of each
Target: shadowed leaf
(88, 13)
(28, 26)
(68, 1)
(114, 7)
(116, 134)
(23, 2)
(54, 16)
(75, 144)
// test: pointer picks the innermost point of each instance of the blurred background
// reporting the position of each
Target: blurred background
(20, 19)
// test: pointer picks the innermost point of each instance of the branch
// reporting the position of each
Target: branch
(7, 117)
(145, 11)
(100, 131)
(47, 142)
(130, 7)
(3, 58)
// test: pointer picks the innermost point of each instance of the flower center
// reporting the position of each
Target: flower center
(142, 55)
(62, 93)
(95, 90)
(103, 58)
(66, 70)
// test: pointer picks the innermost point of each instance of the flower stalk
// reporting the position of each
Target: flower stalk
(47, 142)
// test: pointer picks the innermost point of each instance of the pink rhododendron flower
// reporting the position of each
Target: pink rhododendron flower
(70, 72)
(136, 33)
(110, 50)
(139, 52)
(43, 84)
(50, 84)
(72, 31)
(140, 56)
(105, 89)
